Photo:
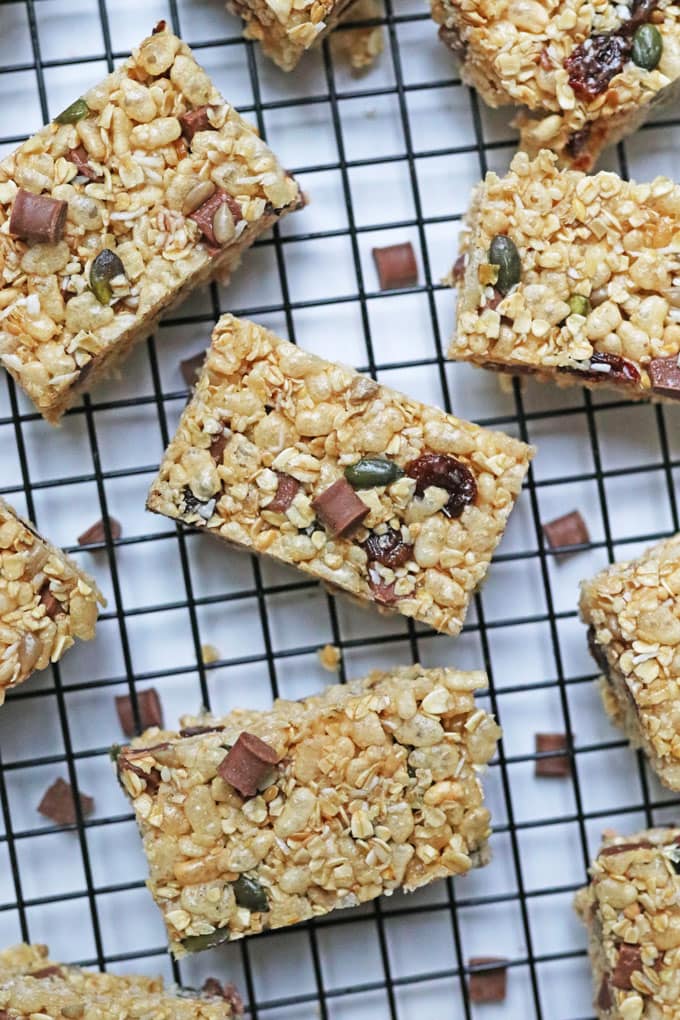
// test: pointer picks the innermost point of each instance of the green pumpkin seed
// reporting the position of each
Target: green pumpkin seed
(647, 47)
(105, 267)
(503, 253)
(370, 472)
(73, 113)
(579, 305)
(196, 943)
(250, 894)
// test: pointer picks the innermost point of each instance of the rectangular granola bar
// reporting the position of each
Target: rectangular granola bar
(32, 985)
(633, 613)
(263, 819)
(583, 74)
(144, 189)
(285, 29)
(284, 453)
(572, 279)
(46, 601)
(631, 909)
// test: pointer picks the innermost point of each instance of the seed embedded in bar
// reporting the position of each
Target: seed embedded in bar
(488, 978)
(340, 509)
(97, 532)
(565, 531)
(212, 227)
(37, 218)
(150, 711)
(664, 374)
(396, 265)
(247, 763)
(557, 766)
(195, 198)
(58, 803)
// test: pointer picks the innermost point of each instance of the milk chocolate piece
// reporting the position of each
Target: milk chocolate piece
(488, 978)
(560, 764)
(97, 533)
(396, 266)
(286, 492)
(195, 120)
(665, 377)
(568, 530)
(58, 803)
(37, 217)
(339, 508)
(150, 711)
(247, 763)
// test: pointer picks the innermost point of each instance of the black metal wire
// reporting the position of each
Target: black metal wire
(456, 900)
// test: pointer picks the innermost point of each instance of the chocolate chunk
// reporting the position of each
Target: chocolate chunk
(629, 960)
(664, 374)
(622, 848)
(458, 271)
(97, 533)
(151, 779)
(213, 987)
(204, 216)
(340, 509)
(497, 366)
(217, 447)
(80, 157)
(191, 368)
(150, 711)
(37, 217)
(286, 492)
(52, 605)
(559, 765)
(195, 731)
(396, 266)
(568, 530)
(578, 141)
(488, 978)
(44, 972)
(195, 120)
(604, 995)
(383, 593)
(58, 803)
(597, 651)
(247, 763)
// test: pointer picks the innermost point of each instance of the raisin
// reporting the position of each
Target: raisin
(388, 549)
(578, 141)
(594, 63)
(446, 473)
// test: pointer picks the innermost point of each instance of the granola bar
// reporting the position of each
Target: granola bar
(280, 452)
(285, 29)
(584, 74)
(263, 819)
(633, 613)
(33, 986)
(632, 913)
(145, 188)
(572, 279)
(46, 601)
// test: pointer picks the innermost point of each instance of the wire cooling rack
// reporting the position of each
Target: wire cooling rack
(387, 157)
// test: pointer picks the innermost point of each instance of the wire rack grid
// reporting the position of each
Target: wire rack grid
(386, 157)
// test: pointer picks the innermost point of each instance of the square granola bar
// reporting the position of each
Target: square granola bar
(264, 819)
(33, 985)
(583, 74)
(572, 279)
(632, 913)
(633, 613)
(283, 453)
(46, 601)
(148, 186)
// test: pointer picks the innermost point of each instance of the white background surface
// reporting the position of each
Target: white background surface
(344, 137)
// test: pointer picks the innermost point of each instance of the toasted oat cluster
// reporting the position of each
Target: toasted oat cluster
(632, 911)
(263, 819)
(584, 72)
(148, 186)
(284, 453)
(46, 601)
(573, 279)
(287, 28)
(32, 986)
(633, 612)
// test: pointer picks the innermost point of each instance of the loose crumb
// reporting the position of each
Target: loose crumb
(329, 657)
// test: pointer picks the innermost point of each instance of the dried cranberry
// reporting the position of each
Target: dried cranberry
(594, 63)
(388, 549)
(446, 473)
(620, 370)
(382, 592)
